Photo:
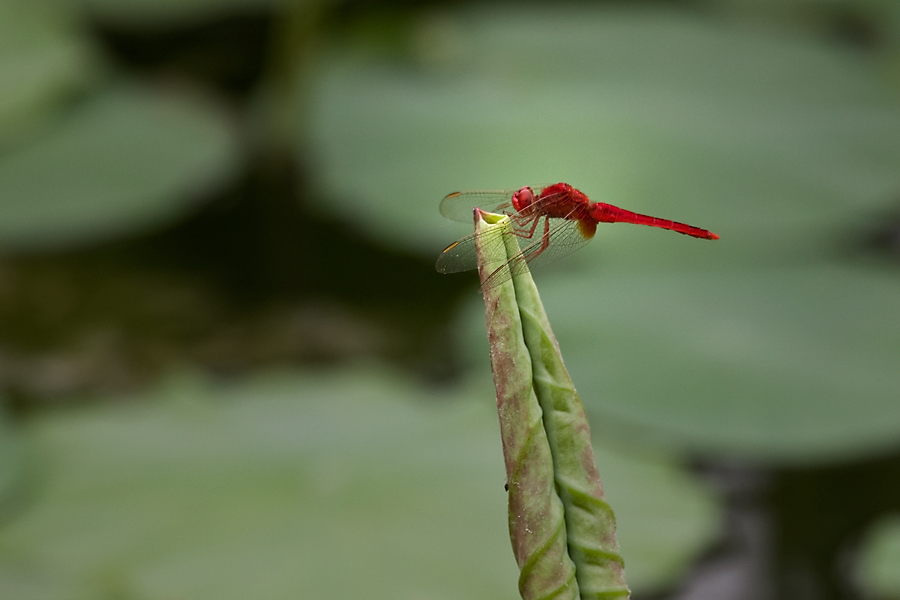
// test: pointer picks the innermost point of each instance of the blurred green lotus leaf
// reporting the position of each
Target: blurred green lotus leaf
(761, 138)
(294, 483)
(43, 59)
(128, 159)
(664, 517)
(13, 465)
(774, 365)
(879, 562)
(162, 12)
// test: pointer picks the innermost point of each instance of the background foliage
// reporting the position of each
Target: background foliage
(229, 368)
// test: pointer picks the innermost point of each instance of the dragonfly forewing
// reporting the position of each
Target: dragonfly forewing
(458, 206)
(461, 255)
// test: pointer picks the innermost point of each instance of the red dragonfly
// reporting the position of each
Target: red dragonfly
(553, 221)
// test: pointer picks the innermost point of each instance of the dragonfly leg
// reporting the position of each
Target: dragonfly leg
(520, 220)
(545, 238)
(521, 231)
(517, 263)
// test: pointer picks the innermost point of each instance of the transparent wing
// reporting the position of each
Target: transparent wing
(458, 206)
(551, 240)
(565, 237)
(460, 255)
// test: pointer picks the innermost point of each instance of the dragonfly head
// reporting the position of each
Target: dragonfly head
(523, 199)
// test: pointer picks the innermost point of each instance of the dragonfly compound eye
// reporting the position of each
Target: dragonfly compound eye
(522, 199)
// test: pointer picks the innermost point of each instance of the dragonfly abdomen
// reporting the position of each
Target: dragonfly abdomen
(607, 213)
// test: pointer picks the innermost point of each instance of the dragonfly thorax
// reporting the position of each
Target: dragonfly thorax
(559, 201)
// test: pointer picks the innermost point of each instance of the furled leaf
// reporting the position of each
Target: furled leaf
(528, 371)
(537, 519)
(590, 522)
